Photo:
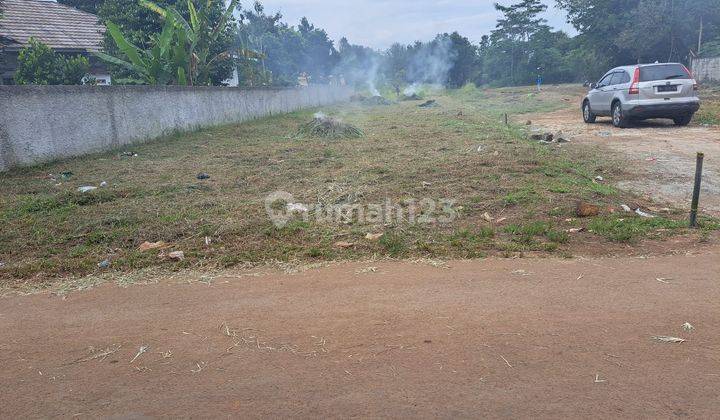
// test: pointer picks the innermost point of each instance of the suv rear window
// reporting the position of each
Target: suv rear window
(663, 72)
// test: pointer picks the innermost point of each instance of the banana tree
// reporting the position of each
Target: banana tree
(167, 62)
(199, 34)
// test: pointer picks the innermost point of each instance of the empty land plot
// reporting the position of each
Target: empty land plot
(511, 195)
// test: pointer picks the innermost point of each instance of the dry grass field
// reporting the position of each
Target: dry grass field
(511, 195)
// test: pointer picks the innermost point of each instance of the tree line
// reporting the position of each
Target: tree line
(267, 51)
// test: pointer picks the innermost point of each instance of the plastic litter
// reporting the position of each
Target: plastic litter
(666, 339)
(643, 214)
(87, 189)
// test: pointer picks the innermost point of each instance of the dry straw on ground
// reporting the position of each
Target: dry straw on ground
(323, 126)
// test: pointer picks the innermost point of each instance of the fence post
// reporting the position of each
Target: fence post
(696, 191)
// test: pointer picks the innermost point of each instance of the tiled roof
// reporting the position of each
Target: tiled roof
(59, 26)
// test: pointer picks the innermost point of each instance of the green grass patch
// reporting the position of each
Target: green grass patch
(630, 229)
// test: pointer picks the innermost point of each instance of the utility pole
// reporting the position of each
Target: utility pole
(700, 36)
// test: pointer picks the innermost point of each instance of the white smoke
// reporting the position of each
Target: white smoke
(372, 77)
(427, 64)
(413, 89)
(431, 63)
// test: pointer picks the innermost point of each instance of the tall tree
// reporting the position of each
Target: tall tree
(319, 54)
(277, 43)
(465, 61)
(621, 32)
(520, 21)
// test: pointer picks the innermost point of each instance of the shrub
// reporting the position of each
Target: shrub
(38, 64)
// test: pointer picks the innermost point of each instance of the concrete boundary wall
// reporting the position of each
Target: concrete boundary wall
(45, 123)
(706, 69)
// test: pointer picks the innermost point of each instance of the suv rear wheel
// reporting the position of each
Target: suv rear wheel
(588, 115)
(683, 121)
(618, 117)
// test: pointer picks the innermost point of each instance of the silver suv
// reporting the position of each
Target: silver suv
(639, 92)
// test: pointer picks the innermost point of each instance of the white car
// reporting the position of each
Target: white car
(640, 92)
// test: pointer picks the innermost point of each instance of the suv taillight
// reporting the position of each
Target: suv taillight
(635, 87)
(690, 75)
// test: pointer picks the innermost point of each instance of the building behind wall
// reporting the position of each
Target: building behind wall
(64, 29)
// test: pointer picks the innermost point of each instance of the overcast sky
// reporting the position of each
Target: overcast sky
(379, 23)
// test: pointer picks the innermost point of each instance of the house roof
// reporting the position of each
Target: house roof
(60, 27)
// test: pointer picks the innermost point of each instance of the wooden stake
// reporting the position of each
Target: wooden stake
(696, 192)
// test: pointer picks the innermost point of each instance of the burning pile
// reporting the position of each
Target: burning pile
(323, 126)
(429, 104)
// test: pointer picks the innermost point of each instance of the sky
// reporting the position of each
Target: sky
(380, 23)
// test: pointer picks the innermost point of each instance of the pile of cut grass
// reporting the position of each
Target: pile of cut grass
(323, 126)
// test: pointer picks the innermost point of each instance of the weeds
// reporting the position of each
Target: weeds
(631, 229)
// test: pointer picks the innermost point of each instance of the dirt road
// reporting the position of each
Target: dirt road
(494, 338)
(662, 154)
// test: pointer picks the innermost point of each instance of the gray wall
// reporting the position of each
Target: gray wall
(706, 69)
(44, 123)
